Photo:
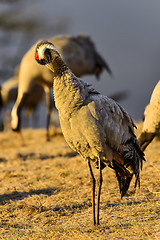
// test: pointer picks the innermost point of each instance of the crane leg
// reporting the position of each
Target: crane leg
(99, 185)
(93, 184)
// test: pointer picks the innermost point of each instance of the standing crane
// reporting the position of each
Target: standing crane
(95, 126)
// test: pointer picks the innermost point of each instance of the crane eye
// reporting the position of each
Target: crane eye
(42, 61)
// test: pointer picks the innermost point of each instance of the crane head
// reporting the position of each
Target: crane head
(45, 52)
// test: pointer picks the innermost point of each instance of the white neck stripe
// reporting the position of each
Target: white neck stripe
(42, 49)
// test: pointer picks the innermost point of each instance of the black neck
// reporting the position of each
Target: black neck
(59, 66)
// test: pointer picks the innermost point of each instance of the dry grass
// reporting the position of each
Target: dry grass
(45, 193)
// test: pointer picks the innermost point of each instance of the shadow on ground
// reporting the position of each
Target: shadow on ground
(4, 198)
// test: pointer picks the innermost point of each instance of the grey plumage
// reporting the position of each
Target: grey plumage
(80, 54)
(94, 125)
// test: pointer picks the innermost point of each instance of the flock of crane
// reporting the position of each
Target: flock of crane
(95, 126)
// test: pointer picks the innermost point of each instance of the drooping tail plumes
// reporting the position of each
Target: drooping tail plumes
(133, 161)
(100, 65)
(99, 61)
(124, 177)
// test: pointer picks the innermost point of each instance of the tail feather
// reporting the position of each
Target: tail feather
(145, 139)
(138, 151)
(100, 65)
(133, 158)
(124, 177)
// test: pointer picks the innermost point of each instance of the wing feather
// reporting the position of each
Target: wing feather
(113, 119)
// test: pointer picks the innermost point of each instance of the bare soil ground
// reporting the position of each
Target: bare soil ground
(45, 193)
